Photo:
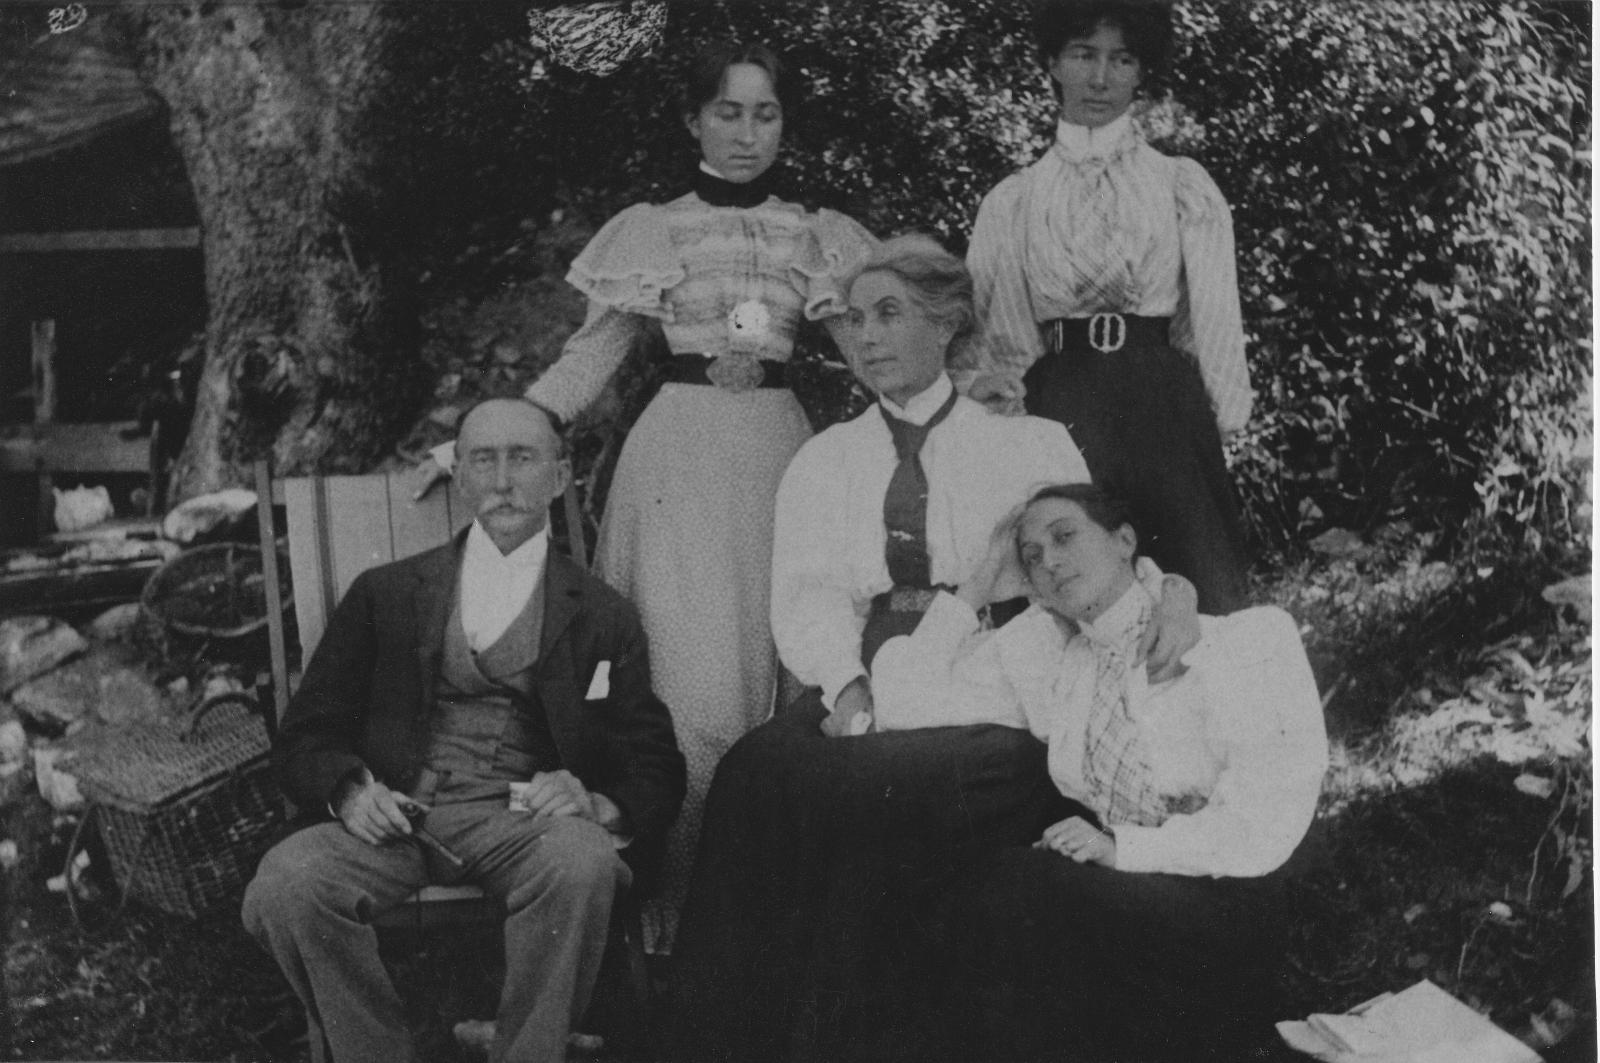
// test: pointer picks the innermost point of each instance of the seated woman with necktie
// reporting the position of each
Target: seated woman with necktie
(822, 835)
(1147, 921)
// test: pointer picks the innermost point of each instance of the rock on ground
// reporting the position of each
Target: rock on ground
(98, 685)
(33, 645)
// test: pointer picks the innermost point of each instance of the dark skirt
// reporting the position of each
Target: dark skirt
(1145, 426)
(805, 934)
(1076, 963)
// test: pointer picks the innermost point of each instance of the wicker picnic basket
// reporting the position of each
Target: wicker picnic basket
(185, 809)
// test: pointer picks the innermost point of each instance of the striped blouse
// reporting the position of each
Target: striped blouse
(1174, 231)
(688, 265)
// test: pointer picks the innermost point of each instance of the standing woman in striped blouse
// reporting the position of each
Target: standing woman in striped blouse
(1105, 278)
(726, 273)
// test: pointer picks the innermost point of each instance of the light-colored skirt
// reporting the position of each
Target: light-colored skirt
(687, 535)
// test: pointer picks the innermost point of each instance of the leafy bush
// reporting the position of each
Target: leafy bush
(1412, 216)
(1409, 183)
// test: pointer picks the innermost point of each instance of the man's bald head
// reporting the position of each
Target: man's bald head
(515, 402)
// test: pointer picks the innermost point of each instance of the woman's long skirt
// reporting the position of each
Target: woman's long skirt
(805, 934)
(1077, 963)
(1146, 429)
(687, 536)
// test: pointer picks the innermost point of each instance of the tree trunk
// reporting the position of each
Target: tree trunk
(311, 349)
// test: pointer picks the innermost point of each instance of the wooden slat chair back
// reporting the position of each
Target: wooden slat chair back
(340, 526)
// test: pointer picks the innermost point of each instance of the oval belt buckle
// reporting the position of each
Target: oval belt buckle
(735, 372)
(1107, 332)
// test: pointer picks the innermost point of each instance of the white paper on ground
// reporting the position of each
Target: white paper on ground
(1422, 1024)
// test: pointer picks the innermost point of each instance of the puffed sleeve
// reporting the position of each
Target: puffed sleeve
(1265, 720)
(1207, 322)
(630, 264)
(834, 246)
(1011, 338)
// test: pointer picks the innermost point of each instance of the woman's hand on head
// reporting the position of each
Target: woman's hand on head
(1078, 839)
(853, 701)
(1001, 392)
(1173, 631)
(1000, 567)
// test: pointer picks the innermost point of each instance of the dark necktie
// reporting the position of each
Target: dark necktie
(905, 504)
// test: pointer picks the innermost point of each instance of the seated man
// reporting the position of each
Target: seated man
(443, 681)
(822, 835)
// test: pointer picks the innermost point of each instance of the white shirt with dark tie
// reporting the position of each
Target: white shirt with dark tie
(828, 548)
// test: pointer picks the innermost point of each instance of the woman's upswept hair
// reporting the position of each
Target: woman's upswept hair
(938, 283)
(1107, 510)
(1146, 27)
(702, 82)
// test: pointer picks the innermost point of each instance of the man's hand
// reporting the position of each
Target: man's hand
(851, 702)
(370, 810)
(1173, 631)
(1001, 392)
(609, 816)
(559, 793)
(1078, 839)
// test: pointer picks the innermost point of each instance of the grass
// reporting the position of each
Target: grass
(1455, 836)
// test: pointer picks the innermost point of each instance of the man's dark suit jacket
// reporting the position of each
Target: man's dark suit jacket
(367, 693)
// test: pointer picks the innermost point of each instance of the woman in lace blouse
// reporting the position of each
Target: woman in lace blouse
(1106, 281)
(727, 272)
(1148, 921)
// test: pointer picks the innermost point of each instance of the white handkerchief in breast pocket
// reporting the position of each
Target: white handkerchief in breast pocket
(600, 685)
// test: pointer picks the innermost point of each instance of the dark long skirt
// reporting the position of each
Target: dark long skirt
(805, 934)
(1054, 960)
(1146, 429)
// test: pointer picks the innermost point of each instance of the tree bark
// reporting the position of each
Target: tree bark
(311, 350)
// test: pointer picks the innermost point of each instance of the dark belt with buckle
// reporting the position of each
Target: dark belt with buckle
(1106, 333)
(909, 599)
(731, 372)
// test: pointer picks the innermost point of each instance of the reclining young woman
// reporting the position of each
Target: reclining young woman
(1147, 920)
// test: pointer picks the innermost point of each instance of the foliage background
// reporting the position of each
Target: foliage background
(1410, 184)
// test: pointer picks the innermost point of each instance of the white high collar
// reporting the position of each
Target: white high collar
(923, 405)
(1080, 142)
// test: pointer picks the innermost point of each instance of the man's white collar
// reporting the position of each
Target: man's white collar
(481, 549)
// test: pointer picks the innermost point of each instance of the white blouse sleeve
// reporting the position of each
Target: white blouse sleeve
(1265, 723)
(1011, 338)
(815, 620)
(1207, 322)
(944, 674)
